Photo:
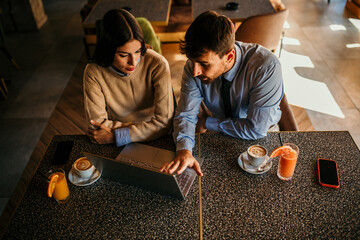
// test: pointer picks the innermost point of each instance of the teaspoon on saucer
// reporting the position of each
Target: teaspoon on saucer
(264, 164)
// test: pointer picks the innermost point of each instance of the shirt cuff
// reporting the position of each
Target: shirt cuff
(185, 144)
(122, 136)
(212, 124)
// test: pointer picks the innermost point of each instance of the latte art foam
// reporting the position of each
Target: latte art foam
(257, 151)
(83, 164)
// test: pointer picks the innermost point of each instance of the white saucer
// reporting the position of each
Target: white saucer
(79, 181)
(245, 165)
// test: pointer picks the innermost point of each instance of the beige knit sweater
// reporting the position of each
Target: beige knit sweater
(142, 101)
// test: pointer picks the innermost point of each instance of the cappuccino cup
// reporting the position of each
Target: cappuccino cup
(84, 167)
(256, 155)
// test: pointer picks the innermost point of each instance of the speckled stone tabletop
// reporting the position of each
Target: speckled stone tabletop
(236, 204)
(240, 205)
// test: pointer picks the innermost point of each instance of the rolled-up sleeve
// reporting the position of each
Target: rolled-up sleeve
(186, 113)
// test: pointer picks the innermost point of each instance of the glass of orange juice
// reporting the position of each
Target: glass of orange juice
(58, 187)
(287, 162)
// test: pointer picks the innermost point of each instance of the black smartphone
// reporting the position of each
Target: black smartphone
(62, 153)
(328, 173)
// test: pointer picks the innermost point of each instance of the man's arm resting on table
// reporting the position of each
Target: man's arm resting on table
(249, 129)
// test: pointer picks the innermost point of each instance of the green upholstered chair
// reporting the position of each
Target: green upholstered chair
(150, 36)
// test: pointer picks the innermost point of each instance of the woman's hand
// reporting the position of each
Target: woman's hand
(100, 133)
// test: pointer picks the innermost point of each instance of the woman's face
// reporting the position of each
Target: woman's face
(127, 56)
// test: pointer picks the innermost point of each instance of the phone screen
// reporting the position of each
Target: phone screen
(62, 153)
(328, 173)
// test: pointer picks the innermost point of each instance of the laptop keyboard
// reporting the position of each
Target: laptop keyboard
(184, 179)
(138, 163)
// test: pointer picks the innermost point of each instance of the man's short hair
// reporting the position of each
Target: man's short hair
(116, 28)
(209, 31)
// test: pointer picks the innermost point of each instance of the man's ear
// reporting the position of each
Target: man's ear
(230, 55)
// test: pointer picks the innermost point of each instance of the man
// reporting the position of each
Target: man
(247, 110)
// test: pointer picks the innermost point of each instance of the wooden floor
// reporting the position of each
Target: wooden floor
(67, 119)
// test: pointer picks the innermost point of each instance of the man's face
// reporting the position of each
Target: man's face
(209, 66)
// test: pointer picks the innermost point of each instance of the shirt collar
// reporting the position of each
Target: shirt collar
(117, 71)
(230, 75)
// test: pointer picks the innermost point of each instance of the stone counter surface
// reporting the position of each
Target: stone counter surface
(240, 205)
(103, 210)
(236, 204)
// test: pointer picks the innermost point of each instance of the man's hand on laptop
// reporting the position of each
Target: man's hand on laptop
(183, 159)
(100, 133)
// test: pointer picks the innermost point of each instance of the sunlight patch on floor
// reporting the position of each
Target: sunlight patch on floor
(337, 27)
(180, 57)
(291, 41)
(355, 22)
(353, 45)
(305, 92)
(286, 25)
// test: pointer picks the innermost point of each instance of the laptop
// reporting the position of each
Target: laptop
(139, 165)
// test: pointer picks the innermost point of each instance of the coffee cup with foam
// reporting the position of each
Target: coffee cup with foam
(84, 168)
(256, 155)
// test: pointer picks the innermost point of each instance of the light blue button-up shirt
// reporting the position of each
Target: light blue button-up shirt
(255, 95)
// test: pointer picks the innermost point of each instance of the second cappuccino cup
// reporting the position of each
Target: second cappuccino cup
(256, 155)
(84, 167)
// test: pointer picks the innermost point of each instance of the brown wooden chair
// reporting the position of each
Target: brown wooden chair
(3, 88)
(287, 121)
(266, 30)
(3, 47)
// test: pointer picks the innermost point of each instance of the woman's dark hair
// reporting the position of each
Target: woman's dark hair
(116, 28)
(209, 31)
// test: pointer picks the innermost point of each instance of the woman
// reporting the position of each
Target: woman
(127, 88)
